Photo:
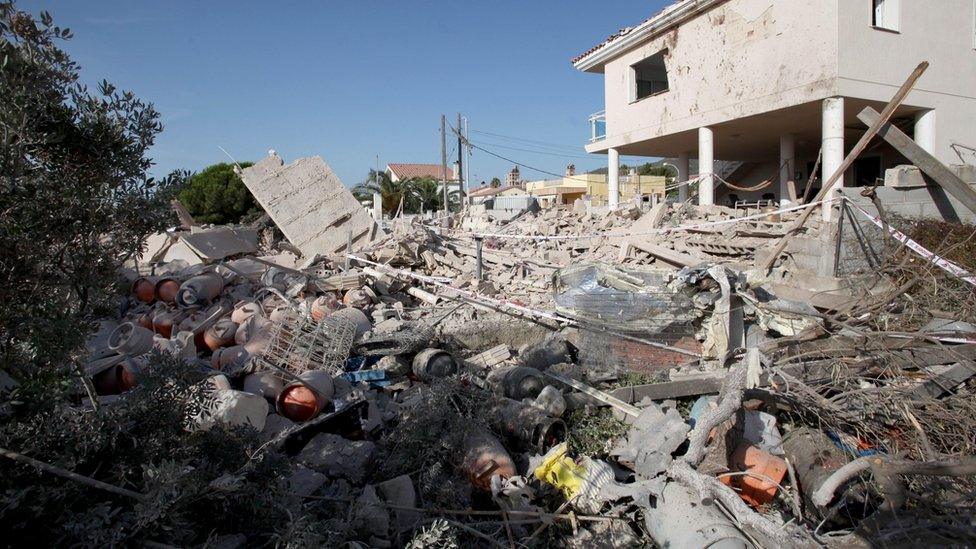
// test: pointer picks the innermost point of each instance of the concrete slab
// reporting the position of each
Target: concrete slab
(216, 244)
(310, 205)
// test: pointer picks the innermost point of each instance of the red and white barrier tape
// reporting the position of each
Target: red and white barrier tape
(436, 281)
(937, 260)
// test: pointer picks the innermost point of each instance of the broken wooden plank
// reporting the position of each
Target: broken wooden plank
(944, 382)
(693, 386)
(886, 114)
(596, 394)
(923, 160)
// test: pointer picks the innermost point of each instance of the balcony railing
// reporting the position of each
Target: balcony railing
(598, 126)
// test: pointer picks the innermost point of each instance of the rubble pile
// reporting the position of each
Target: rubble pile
(636, 378)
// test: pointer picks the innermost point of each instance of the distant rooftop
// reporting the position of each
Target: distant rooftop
(404, 171)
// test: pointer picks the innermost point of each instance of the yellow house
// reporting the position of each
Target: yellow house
(630, 186)
(551, 192)
(566, 190)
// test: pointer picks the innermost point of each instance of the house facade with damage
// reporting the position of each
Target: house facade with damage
(770, 86)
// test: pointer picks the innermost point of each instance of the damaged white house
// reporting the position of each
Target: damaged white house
(770, 85)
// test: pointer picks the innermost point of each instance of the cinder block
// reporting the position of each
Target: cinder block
(965, 172)
(888, 195)
(904, 177)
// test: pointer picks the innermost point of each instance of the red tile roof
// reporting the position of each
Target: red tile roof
(625, 31)
(409, 171)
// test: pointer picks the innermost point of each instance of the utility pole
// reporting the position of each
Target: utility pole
(444, 159)
(467, 159)
(461, 170)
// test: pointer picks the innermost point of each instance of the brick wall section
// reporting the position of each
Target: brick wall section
(608, 353)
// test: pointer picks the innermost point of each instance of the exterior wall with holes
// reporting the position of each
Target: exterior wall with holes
(742, 58)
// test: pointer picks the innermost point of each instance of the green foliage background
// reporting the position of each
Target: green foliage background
(217, 195)
(75, 194)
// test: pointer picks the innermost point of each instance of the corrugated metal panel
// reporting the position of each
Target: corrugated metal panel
(513, 202)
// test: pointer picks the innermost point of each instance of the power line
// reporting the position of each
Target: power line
(574, 148)
(469, 143)
(539, 151)
(523, 165)
(533, 151)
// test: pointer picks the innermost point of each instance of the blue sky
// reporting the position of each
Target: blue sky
(353, 79)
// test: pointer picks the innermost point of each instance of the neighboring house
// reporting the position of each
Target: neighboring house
(771, 83)
(402, 172)
(481, 194)
(565, 191)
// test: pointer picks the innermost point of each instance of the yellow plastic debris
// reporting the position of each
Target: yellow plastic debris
(559, 470)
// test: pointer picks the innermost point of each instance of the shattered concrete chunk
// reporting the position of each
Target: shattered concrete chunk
(400, 492)
(651, 441)
(304, 481)
(338, 457)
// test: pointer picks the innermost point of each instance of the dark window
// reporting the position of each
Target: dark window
(650, 76)
(867, 171)
(886, 14)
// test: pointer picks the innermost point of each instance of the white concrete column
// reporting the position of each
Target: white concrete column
(787, 168)
(706, 167)
(925, 130)
(613, 178)
(377, 206)
(683, 164)
(833, 147)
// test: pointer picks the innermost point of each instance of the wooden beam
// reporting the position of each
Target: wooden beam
(929, 164)
(699, 385)
(886, 114)
(597, 394)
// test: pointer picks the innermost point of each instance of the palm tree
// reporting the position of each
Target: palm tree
(424, 194)
(390, 191)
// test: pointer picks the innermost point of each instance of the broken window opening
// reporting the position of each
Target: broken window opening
(886, 14)
(650, 76)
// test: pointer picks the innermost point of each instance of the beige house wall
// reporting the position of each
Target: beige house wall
(596, 185)
(875, 62)
(742, 58)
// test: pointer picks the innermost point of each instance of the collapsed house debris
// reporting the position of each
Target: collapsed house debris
(442, 367)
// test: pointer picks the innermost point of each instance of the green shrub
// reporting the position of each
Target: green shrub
(75, 197)
(197, 484)
(217, 195)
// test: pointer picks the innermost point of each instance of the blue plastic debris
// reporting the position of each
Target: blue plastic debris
(375, 378)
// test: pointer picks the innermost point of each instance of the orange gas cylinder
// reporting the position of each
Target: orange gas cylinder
(220, 334)
(761, 474)
(298, 402)
(484, 457)
(166, 289)
(144, 289)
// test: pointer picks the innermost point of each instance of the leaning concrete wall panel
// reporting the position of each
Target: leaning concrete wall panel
(310, 205)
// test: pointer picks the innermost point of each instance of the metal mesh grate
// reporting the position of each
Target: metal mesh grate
(299, 344)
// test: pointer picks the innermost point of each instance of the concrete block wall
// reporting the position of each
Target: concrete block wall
(922, 202)
(864, 245)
